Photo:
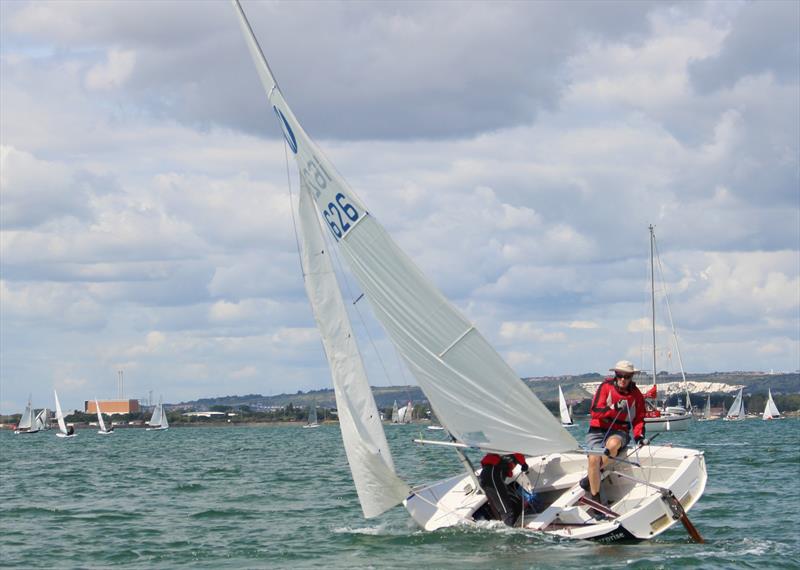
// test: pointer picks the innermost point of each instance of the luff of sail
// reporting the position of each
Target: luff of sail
(377, 485)
(477, 396)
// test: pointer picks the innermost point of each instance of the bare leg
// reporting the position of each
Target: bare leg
(613, 445)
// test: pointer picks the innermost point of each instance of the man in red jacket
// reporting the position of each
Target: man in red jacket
(617, 406)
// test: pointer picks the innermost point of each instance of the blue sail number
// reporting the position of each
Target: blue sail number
(334, 215)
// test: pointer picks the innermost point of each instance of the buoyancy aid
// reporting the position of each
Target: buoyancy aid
(609, 409)
(509, 460)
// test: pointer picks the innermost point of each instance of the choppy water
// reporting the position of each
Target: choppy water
(281, 497)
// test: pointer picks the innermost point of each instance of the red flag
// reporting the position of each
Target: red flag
(652, 392)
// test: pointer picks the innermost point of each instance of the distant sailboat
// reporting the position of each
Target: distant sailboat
(26, 422)
(42, 421)
(395, 413)
(771, 410)
(64, 431)
(736, 413)
(707, 411)
(563, 410)
(158, 421)
(312, 417)
(102, 430)
(405, 414)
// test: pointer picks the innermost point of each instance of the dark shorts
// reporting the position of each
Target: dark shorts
(596, 438)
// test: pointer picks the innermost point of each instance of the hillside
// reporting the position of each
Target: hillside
(545, 387)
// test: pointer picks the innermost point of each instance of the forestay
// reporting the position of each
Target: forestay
(377, 485)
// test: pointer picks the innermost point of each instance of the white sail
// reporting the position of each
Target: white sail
(164, 424)
(155, 419)
(26, 421)
(40, 422)
(368, 454)
(395, 413)
(737, 408)
(688, 401)
(707, 410)
(312, 414)
(479, 399)
(562, 408)
(59, 415)
(770, 409)
(99, 415)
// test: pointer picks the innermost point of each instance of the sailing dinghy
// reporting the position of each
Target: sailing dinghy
(63, 430)
(158, 421)
(563, 410)
(312, 417)
(736, 413)
(26, 422)
(102, 430)
(478, 398)
(770, 409)
(707, 417)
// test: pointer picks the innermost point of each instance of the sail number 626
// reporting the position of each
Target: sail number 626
(337, 215)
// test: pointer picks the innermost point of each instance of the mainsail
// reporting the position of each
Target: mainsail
(476, 395)
(707, 410)
(26, 421)
(563, 411)
(377, 485)
(99, 415)
(60, 416)
(158, 415)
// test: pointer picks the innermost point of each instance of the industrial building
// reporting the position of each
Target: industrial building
(112, 406)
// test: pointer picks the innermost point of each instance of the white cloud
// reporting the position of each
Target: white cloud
(114, 72)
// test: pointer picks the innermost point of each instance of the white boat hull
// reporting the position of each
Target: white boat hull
(22, 431)
(642, 511)
(156, 429)
(101, 432)
(668, 423)
(64, 435)
(310, 426)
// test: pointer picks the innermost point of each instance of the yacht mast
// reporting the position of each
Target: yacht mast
(653, 299)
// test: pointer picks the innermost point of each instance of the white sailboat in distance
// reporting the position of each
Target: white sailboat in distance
(26, 421)
(312, 417)
(563, 410)
(736, 413)
(102, 430)
(477, 397)
(63, 429)
(770, 409)
(158, 421)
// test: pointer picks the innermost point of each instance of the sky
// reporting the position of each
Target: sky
(516, 151)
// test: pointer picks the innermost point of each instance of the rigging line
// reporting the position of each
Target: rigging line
(669, 311)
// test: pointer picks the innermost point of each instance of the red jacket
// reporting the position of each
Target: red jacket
(607, 412)
(494, 459)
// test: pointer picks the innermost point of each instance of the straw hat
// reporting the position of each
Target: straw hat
(625, 366)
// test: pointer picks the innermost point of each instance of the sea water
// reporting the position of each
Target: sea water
(282, 497)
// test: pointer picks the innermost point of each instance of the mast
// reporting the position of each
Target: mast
(653, 298)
